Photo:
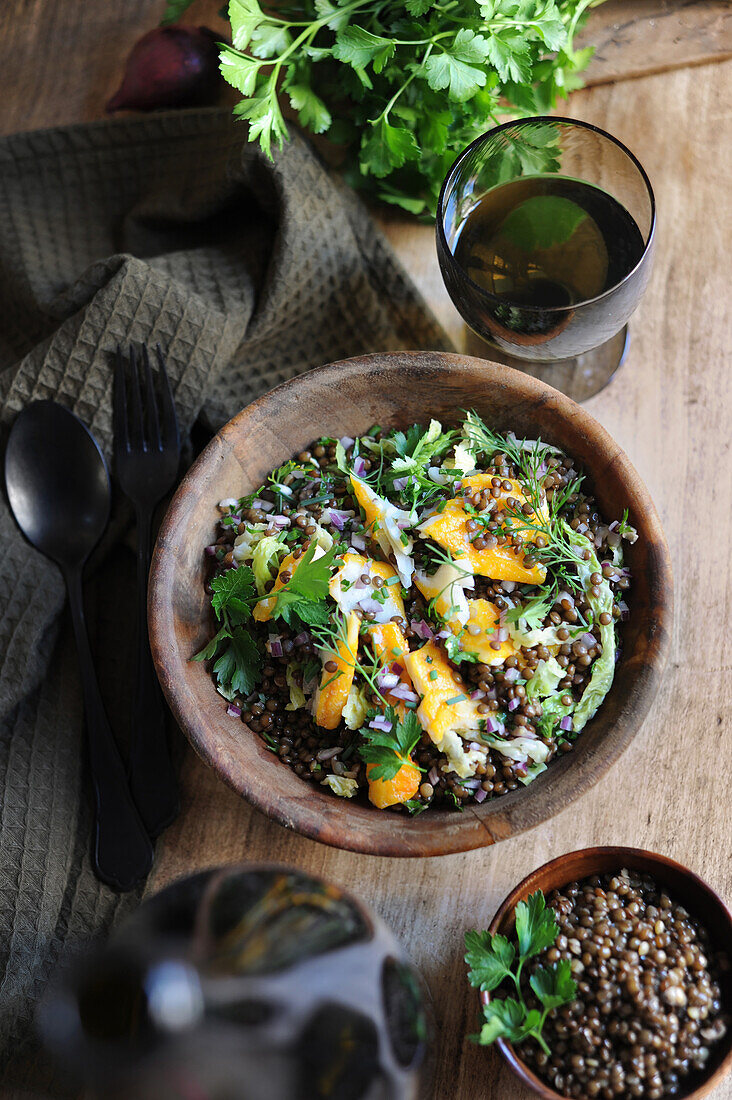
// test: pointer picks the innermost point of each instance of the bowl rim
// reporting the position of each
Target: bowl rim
(419, 838)
(626, 856)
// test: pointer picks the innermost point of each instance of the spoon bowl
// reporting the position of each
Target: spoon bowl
(57, 482)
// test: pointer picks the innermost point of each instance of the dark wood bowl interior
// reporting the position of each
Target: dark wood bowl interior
(683, 885)
(397, 389)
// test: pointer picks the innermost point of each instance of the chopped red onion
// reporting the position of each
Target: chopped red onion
(508, 586)
(275, 645)
(475, 695)
(401, 483)
(403, 524)
(433, 775)
(280, 521)
(346, 441)
(301, 639)
(566, 723)
(401, 691)
(615, 523)
(263, 505)
(491, 726)
(368, 604)
(443, 634)
(380, 722)
(471, 784)
(475, 746)
(503, 635)
(624, 610)
(481, 795)
(211, 551)
(513, 704)
(565, 596)
(397, 668)
(520, 768)
(422, 629)
(589, 640)
(359, 467)
(358, 542)
(457, 485)
(511, 675)
(233, 710)
(387, 680)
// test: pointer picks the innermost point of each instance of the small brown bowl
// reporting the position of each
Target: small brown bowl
(683, 884)
(397, 389)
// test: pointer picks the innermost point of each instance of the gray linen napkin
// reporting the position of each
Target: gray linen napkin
(166, 228)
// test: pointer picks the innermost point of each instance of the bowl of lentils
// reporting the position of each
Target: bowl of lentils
(419, 618)
(624, 985)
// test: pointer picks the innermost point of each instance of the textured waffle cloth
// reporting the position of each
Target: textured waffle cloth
(167, 228)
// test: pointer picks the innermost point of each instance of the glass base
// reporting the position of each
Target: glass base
(580, 378)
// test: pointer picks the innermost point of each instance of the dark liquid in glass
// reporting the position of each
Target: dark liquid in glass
(540, 245)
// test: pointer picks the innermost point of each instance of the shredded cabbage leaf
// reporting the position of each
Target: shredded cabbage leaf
(354, 712)
(545, 679)
(297, 695)
(603, 669)
(245, 543)
(339, 785)
(268, 552)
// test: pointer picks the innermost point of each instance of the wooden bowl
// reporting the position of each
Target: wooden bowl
(683, 885)
(346, 398)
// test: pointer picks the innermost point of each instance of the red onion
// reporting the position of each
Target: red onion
(396, 667)
(211, 551)
(401, 483)
(403, 524)
(481, 795)
(475, 695)
(503, 635)
(615, 523)
(471, 784)
(367, 604)
(263, 505)
(233, 710)
(508, 586)
(380, 723)
(422, 629)
(275, 645)
(443, 634)
(401, 691)
(566, 723)
(624, 610)
(387, 680)
(513, 704)
(511, 675)
(491, 725)
(565, 596)
(301, 639)
(589, 640)
(358, 542)
(359, 467)
(280, 521)
(475, 746)
(170, 67)
(521, 769)
(458, 485)
(433, 775)
(346, 441)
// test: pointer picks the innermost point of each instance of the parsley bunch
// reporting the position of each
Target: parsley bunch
(492, 961)
(403, 85)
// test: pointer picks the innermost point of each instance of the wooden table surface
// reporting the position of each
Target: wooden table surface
(670, 407)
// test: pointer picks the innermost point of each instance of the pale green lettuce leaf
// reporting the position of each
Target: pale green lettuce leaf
(545, 679)
(603, 669)
(268, 552)
(354, 712)
(346, 788)
(297, 695)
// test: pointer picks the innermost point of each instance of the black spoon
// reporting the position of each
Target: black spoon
(58, 487)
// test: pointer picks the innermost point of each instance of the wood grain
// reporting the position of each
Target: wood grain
(670, 408)
(395, 389)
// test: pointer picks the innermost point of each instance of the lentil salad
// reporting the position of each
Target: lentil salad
(425, 617)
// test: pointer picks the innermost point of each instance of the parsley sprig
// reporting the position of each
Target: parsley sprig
(403, 85)
(492, 962)
(389, 751)
(238, 667)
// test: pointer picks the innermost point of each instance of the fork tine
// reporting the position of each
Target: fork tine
(169, 418)
(151, 404)
(119, 404)
(136, 423)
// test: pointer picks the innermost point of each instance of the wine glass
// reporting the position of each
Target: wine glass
(545, 239)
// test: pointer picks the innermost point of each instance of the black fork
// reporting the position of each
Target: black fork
(147, 453)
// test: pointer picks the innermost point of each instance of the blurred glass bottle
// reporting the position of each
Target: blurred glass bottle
(245, 983)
